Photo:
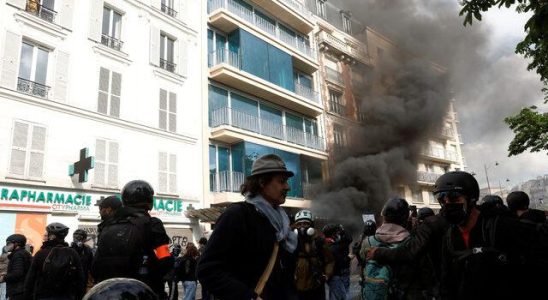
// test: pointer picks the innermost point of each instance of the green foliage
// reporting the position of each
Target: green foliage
(531, 131)
(530, 126)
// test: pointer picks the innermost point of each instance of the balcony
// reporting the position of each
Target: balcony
(341, 47)
(169, 11)
(226, 181)
(226, 67)
(446, 132)
(291, 12)
(334, 76)
(427, 177)
(43, 12)
(337, 108)
(228, 15)
(252, 123)
(32, 88)
(440, 155)
(167, 65)
(111, 42)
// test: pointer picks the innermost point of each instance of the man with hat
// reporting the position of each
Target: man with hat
(250, 253)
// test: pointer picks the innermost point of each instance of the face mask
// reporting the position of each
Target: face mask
(9, 247)
(305, 232)
(454, 213)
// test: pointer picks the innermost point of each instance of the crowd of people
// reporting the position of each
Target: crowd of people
(470, 249)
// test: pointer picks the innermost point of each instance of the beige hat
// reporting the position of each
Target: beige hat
(270, 163)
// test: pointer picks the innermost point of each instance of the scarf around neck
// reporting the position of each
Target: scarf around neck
(279, 220)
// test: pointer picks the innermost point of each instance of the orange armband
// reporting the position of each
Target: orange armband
(162, 252)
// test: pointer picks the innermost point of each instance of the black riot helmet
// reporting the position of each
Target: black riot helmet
(138, 193)
(425, 212)
(460, 182)
(396, 210)
(120, 289)
(18, 239)
(57, 229)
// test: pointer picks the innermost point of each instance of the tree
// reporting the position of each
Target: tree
(530, 126)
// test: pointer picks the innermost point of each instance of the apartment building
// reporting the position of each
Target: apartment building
(263, 95)
(114, 78)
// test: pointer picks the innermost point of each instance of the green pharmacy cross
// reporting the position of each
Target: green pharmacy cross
(82, 166)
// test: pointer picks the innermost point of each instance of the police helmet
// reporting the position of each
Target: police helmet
(120, 288)
(425, 212)
(81, 232)
(396, 210)
(458, 181)
(18, 239)
(138, 193)
(57, 229)
(303, 215)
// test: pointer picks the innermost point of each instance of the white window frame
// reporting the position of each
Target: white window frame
(168, 125)
(164, 40)
(34, 62)
(107, 162)
(28, 150)
(117, 33)
(171, 183)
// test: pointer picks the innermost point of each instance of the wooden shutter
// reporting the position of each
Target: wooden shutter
(10, 60)
(61, 76)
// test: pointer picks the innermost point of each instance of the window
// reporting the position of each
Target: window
(216, 48)
(417, 196)
(338, 136)
(320, 8)
(347, 24)
(27, 150)
(168, 111)
(167, 173)
(42, 8)
(166, 53)
(110, 85)
(335, 103)
(112, 27)
(106, 163)
(33, 70)
(167, 7)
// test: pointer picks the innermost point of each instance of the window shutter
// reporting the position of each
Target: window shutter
(21, 4)
(66, 13)
(10, 60)
(183, 11)
(100, 157)
(36, 164)
(19, 146)
(183, 54)
(172, 173)
(95, 20)
(102, 105)
(113, 164)
(115, 89)
(61, 76)
(154, 46)
(162, 171)
(162, 118)
(172, 112)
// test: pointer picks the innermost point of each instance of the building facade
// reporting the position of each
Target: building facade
(114, 77)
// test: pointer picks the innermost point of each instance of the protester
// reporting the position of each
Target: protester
(186, 271)
(171, 277)
(56, 271)
(201, 248)
(133, 244)
(3, 270)
(107, 209)
(19, 261)
(338, 243)
(518, 204)
(315, 262)
(79, 238)
(250, 236)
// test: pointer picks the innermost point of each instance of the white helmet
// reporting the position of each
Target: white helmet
(303, 215)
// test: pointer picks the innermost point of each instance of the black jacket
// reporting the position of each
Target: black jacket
(186, 268)
(86, 258)
(18, 266)
(35, 287)
(237, 254)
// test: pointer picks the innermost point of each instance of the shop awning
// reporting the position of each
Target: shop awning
(206, 215)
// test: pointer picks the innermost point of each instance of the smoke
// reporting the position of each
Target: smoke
(408, 108)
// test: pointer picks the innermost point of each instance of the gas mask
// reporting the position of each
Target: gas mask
(304, 232)
(454, 213)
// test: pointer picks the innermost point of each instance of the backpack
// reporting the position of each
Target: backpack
(121, 247)
(310, 266)
(59, 267)
(381, 280)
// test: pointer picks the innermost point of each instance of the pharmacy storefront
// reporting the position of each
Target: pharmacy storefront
(27, 210)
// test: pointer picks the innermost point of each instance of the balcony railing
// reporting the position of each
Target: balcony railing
(32, 88)
(447, 132)
(299, 7)
(43, 12)
(111, 42)
(243, 120)
(441, 154)
(226, 181)
(334, 76)
(234, 59)
(428, 177)
(337, 108)
(167, 65)
(294, 41)
(353, 50)
(169, 11)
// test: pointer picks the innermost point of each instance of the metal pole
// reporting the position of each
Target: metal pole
(487, 177)
(501, 192)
